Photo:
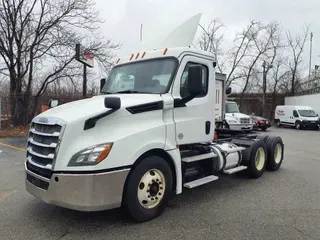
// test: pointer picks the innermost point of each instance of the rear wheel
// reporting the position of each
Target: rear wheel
(275, 149)
(257, 159)
(297, 125)
(278, 123)
(264, 128)
(148, 189)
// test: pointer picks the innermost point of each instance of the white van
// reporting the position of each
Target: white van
(297, 116)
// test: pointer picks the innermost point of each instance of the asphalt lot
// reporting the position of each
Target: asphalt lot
(280, 205)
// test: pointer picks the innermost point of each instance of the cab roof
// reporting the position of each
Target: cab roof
(176, 52)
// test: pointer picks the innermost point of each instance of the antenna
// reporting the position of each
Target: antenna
(141, 32)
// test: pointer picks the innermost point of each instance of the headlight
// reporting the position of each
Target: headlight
(91, 155)
(232, 121)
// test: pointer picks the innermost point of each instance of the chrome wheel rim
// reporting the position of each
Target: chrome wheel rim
(151, 188)
(260, 159)
(277, 153)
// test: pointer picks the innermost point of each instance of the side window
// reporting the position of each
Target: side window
(295, 113)
(183, 82)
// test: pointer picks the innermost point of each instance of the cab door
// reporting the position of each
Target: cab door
(194, 120)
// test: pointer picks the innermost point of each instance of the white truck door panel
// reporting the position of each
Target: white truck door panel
(194, 121)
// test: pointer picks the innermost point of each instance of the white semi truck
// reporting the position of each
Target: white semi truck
(145, 138)
(227, 114)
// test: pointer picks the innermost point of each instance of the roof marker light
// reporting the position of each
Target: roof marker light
(143, 55)
(165, 51)
(137, 55)
(131, 56)
(118, 61)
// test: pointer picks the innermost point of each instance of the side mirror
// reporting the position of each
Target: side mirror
(195, 80)
(53, 103)
(112, 102)
(228, 90)
(102, 83)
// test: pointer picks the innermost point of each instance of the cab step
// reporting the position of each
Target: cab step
(200, 181)
(234, 170)
(199, 157)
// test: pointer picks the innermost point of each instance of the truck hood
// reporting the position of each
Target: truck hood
(86, 108)
(236, 115)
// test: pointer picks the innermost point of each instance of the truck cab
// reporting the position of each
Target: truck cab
(144, 139)
(237, 121)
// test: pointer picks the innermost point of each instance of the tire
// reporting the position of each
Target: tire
(263, 137)
(278, 123)
(297, 125)
(263, 129)
(151, 174)
(257, 159)
(275, 150)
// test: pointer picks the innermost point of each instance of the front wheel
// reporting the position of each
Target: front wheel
(278, 123)
(298, 125)
(148, 189)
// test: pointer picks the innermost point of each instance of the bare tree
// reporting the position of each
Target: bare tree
(280, 75)
(36, 34)
(211, 40)
(243, 44)
(296, 45)
(263, 38)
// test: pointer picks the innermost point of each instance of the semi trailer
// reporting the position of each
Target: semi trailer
(145, 138)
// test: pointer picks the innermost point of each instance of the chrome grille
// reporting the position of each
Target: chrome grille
(244, 120)
(43, 142)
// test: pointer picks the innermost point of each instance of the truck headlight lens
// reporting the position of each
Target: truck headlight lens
(232, 121)
(91, 155)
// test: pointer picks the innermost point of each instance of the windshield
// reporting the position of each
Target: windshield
(307, 113)
(141, 77)
(232, 108)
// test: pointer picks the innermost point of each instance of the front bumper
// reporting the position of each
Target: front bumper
(310, 124)
(82, 192)
(261, 125)
(240, 127)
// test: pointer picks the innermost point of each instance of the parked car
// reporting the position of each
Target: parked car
(260, 123)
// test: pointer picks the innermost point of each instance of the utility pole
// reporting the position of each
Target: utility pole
(311, 36)
(84, 89)
(265, 68)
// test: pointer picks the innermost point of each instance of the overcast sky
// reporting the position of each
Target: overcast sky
(123, 17)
